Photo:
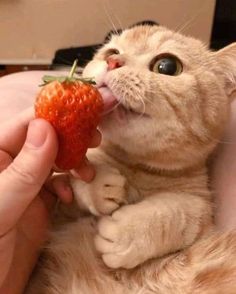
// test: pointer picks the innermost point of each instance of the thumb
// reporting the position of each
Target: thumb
(23, 179)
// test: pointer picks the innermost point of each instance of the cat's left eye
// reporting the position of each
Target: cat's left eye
(167, 65)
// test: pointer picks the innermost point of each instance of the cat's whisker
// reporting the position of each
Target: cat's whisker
(226, 142)
(222, 141)
(188, 23)
(147, 100)
(151, 102)
(140, 98)
(115, 15)
(144, 107)
(114, 107)
(107, 20)
(108, 14)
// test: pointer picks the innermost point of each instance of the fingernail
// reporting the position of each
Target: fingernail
(85, 173)
(75, 173)
(66, 187)
(37, 134)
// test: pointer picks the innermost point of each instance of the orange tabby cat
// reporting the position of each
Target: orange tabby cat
(153, 230)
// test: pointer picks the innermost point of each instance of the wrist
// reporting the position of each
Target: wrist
(20, 271)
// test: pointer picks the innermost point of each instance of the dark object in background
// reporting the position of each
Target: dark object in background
(224, 26)
(140, 23)
(66, 57)
(2, 70)
(145, 22)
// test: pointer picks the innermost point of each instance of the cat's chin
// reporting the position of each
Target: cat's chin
(126, 113)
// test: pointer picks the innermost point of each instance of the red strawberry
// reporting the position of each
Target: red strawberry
(73, 106)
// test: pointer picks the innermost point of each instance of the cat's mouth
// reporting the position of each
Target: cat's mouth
(109, 99)
(111, 102)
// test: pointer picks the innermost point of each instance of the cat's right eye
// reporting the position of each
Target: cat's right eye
(167, 65)
(110, 52)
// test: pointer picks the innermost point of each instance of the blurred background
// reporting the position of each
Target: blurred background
(50, 34)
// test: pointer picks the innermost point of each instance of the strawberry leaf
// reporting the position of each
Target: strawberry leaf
(68, 79)
(64, 79)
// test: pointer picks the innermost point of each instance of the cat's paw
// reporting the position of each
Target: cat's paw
(120, 239)
(105, 194)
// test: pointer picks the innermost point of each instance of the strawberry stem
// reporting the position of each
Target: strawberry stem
(68, 79)
(73, 69)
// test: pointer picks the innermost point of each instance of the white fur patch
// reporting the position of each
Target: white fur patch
(82, 193)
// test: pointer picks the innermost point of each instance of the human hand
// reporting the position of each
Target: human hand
(27, 152)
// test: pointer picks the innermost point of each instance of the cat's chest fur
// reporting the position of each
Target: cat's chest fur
(144, 183)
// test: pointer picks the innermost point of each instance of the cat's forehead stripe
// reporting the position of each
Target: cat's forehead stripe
(149, 42)
(145, 35)
(142, 40)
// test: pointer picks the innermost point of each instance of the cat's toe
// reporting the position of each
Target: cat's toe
(114, 261)
(112, 255)
(108, 228)
(115, 244)
(103, 245)
(120, 260)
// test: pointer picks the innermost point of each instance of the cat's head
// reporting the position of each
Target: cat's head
(173, 94)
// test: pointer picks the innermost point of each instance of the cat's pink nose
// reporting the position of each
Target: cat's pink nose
(114, 62)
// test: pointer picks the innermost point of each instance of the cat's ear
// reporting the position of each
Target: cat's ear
(226, 58)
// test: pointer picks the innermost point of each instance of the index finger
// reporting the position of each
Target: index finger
(13, 132)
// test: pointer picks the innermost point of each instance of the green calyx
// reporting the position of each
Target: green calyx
(68, 79)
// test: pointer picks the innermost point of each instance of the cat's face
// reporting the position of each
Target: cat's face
(172, 95)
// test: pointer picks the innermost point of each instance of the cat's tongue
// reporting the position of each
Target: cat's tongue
(109, 99)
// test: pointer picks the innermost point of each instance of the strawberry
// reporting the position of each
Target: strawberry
(73, 106)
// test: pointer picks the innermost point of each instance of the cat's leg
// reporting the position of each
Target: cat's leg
(206, 267)
(70, 264)
(212, 264)
(104, 194)
(156, 226)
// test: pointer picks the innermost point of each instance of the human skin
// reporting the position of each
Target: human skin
(26, 202)
(17, 92)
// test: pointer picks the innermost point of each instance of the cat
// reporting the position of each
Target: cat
(152, 229)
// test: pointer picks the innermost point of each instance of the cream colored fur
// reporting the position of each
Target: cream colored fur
(153, 231)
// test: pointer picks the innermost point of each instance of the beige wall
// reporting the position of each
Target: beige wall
(31, 30)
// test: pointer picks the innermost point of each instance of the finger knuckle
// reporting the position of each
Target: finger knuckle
(23, 175)
(5, 160)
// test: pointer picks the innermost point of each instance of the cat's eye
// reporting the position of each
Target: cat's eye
(111, 51)
(167, 65)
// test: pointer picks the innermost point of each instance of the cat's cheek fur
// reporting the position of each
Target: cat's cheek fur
(173, 106)
(96, 69)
